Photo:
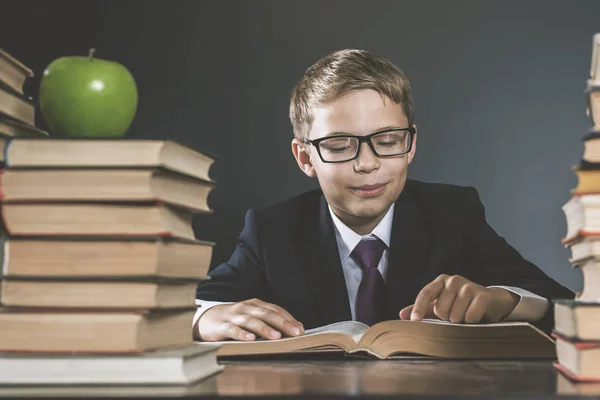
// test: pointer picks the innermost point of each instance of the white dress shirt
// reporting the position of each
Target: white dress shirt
(531, 307)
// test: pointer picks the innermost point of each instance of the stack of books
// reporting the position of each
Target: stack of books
(100, 263)
(577, 322)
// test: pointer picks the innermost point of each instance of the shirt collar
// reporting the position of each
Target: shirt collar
(347, 239)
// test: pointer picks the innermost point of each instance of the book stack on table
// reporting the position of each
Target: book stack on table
(100, 263)
(577, 322)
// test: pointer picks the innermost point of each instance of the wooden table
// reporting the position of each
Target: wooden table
(342, 378)
(359, 378)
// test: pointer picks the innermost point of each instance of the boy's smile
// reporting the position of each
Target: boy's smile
(370, 190)
(359, 191)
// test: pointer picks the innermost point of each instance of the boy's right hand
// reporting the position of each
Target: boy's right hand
(245, 320)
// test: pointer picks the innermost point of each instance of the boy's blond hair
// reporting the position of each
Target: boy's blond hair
(341, 72)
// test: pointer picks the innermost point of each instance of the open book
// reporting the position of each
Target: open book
(399, 338)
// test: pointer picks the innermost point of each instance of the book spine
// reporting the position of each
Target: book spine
(578, 235)
(588, 165)
(5, 154)
(591, 135)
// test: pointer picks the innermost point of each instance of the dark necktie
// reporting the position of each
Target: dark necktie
(370, 297)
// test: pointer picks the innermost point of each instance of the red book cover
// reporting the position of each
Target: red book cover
(579, 344)
(580, 234)
(571, 375)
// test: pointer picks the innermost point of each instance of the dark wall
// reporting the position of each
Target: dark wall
(498, 91)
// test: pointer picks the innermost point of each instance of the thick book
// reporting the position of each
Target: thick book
(16, 106)
(595, 62)
(13, 72)
(12, 128)
(77, 219)
(582, 213)
(591, 281)
(99, 293)
(567, 385)
(87, 331)
(593, 104)
(583, 250)
(401, 338)
(591, 153)
(585, 165)
(588, 181)
(580, 360)
(107, 153)
(203, 387)
(577, 320)
(153, 257)
(108, 185)
(177, 366)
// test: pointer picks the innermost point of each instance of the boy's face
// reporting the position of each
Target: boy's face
(359, 191)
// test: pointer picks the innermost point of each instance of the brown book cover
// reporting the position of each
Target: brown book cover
(105, 258)
(100, 331)
(100, 219)
(588, 181)
(104, 185)
(101, 294)
(107, 153)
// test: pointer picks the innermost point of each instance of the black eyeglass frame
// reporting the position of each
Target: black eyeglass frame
(361, 139)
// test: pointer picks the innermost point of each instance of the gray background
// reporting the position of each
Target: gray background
(498, 92)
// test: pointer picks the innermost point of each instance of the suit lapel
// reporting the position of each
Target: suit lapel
(408, 250)
(319, 256)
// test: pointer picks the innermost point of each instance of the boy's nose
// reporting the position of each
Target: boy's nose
(366, 160)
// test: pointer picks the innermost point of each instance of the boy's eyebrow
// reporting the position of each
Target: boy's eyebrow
(383, 128)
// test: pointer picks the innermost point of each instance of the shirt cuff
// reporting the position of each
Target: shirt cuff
(204, 306)
(530, 308)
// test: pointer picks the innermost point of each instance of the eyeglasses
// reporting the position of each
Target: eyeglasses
(341, 148)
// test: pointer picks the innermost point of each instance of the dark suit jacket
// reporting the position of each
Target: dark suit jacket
(287, 254)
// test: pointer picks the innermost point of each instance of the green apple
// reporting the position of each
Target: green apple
(87, 97)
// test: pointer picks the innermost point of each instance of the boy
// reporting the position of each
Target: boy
(370, 244)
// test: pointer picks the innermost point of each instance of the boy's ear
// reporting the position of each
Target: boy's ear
(413, 149)
(303, 158)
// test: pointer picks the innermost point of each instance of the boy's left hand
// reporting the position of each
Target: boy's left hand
(456, 299)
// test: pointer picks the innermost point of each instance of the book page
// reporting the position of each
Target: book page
(439, 321)
(494, 324)
(352, 328)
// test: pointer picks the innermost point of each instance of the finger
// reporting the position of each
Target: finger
(277, 309)
(405, 312)
(429, 313)
(444, 303)
(426, 296)
(281, 311)
(461, 304)
(255, 325)
(275, 320)
(232, 331)
(476, 310)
